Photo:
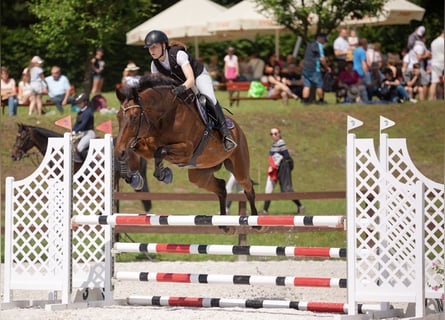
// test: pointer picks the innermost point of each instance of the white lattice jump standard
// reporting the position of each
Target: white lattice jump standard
(270, 251)
(203, 278)
(206, 220)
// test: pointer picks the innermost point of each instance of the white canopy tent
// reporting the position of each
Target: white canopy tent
(394, 12)
(244, 20)
(186, 20)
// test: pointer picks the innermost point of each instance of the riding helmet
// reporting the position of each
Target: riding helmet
(155, 36)
(80, 97)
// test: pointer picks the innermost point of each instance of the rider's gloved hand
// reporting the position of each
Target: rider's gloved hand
(179, 90)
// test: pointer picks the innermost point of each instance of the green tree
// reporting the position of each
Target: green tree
(304, 17)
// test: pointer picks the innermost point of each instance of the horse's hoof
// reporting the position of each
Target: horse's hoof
(227, 230)
(167, 176)
(136, 181)
(259, 228)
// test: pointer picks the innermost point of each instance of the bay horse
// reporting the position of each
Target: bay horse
(32, 136)
(158, 125)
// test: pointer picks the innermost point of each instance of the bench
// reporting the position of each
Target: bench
(46, 101)
(234, 89)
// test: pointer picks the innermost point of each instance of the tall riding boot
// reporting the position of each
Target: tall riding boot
(227, 139)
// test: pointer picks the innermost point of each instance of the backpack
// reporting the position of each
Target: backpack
(256, 89)
(99, 102)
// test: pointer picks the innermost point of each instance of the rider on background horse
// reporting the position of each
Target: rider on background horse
(181, 66)
(84, 126)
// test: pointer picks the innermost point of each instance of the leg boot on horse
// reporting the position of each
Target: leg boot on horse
(227, 138)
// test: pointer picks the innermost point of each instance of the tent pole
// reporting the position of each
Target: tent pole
(277, 43)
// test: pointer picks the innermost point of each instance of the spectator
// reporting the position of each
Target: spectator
(230, 185)
(290, 59)
(280, 169)
(84, 126)
(376, 78)
(314, 58)
(215, 71)
(353, 40)
(350, 81)
(257, 66)
(245, 74)
(131, 78)
(359, 60)
(270, 64)
(25, 90)
(374, 55)
(437, 64)
(414, 85)
(58, 88)
(279, 86)
(9, 92)
(38, 85)
(391, 89)
(416, 35)
(97, 69)
(231, 66)
(295, 79)
(341, 49)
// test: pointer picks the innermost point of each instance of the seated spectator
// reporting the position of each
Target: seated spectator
(215, 71)
(414, 84)
(350, 81)
(376, 78)
(391, 90)
(9, 92)
(290, 60)
(295, 76)
(280, 86)
(257, 66)
(131, 78)
(25, 89)
(270, 64)
(245, 73)
(58, 88)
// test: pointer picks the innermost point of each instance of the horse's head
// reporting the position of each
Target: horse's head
(142, 108)
(22, 142)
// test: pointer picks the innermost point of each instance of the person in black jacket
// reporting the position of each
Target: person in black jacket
(84, 126)
(280, 169)
(172, 60)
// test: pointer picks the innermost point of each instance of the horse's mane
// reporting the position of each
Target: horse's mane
(155, 80)
(43, 131)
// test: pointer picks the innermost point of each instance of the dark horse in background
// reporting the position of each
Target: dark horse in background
(156, 124)
(31, 136)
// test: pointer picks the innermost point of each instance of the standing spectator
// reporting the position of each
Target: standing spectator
(25, 90)
(38, 85)
(314, 58)
(280, 169)
(84, 126)
(231, 67)
(9, 92)
(416, 35)
(437, 64)
(131, 77)
(279, 86)
(341, 49)
(359, 60)
(257, 66)
(58, 88)
(374, 55)
(97, 69)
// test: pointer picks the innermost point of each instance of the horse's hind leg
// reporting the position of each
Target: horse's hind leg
(205, 179)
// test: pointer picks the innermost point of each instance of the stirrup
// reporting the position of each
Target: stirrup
(229, 144)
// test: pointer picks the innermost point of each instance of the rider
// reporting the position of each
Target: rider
(173, 61)
(84, 126)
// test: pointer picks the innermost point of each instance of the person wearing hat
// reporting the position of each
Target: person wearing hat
(172, 60)
(84, 126)
(38, 85)
(131, 77)
(314, 59)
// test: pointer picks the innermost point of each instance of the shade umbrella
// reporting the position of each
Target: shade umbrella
(186, 20)
(394, 12)
(244, 20)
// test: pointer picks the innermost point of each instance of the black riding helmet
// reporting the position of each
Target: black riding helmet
(155, 36)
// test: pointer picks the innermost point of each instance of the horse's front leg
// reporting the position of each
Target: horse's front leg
(162, 174)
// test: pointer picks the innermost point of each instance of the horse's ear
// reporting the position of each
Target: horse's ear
(120, 96)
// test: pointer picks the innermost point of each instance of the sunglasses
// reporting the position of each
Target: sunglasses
(274, 133)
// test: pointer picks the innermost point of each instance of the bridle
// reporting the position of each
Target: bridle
(20, 147)
(141, 119)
